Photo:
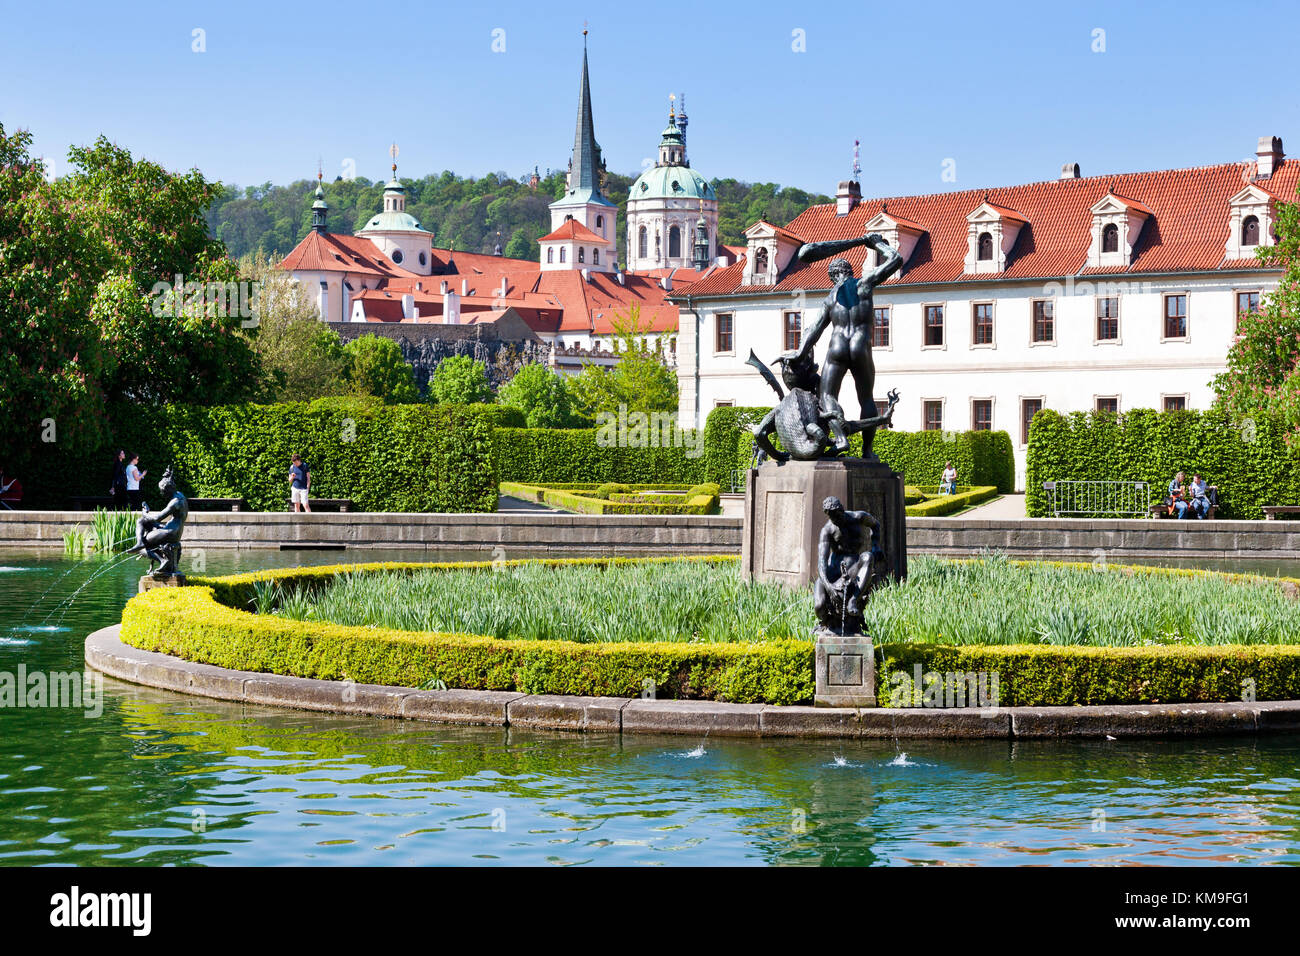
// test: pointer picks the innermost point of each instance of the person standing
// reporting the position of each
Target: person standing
(949, 485)
(299, 484)
(117, 488)
(133, 478)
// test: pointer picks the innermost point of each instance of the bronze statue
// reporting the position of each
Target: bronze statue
(850, 312)
(158, 534)
(849, 566)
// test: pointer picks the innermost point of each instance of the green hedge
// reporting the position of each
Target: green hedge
(940, 505)
(383, 457)
(568, 455)
(723, 428)
(1041, 676)
(1248, 460)
(189, 623)
(699, 500)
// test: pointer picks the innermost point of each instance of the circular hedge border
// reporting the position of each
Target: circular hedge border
(203, 623)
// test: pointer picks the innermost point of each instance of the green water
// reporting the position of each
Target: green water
(166, 778)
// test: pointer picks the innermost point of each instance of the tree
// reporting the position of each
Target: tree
(459, 379)
(302, 358)
(375, 367)
(639, 380)
(88, 315)
(543, 396)
(1263, 373)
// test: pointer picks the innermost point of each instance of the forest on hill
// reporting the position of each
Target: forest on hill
(464, 212)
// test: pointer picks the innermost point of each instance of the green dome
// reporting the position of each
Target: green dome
(393, 222)
(670, 182)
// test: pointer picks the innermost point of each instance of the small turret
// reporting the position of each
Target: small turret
(320, 208)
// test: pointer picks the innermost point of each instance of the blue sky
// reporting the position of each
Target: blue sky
(1006, 92)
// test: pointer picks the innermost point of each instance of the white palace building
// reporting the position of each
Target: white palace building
(1110, 292)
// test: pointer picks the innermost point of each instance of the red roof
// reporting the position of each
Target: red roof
(572, 229)
(1186, 232)
(334, 252)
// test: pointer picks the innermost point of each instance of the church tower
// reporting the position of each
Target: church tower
(583, 219)
(666, 205)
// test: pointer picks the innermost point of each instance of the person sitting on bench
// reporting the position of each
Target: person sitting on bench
(1200, 504)
(1177, 498)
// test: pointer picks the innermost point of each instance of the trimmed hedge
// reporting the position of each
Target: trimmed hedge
(1032, 675)
(981, 458)
(202, 623)
(699, 500)
(1248, 460)
(383, 457)
(195, 623)
(940, 505)
(569, 455)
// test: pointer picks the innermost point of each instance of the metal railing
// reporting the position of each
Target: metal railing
(1098, 499)
(736, 481)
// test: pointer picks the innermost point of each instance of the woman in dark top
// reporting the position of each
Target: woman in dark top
(118, 488)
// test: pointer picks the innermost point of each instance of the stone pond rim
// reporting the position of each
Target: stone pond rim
(104, 652)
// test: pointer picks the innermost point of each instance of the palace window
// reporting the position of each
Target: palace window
(1044, 329)
(397, 255)
(1176, 316)
(1107, 318)
(1029, 407)
(1175, 403)
(550, 253)
(981, 415)
(880, 328)
(582, 254)
(600, 224)
(792, 325)
(674, 242)
(760, 262)
(723, 340)
(1247, 304)
(932, 413)
(985, 247)
(595, 257)
(1110, 238)
(642, 243)
(1250, 231)
(561, 253)
(982, 322)
(1108, 403)
(934, 325)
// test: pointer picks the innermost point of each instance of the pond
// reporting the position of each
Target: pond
(166, 778)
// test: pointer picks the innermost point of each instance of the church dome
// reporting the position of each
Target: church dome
(394, 218)
(670, 182)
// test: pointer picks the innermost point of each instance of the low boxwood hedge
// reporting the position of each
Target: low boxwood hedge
(949, 504)
(205, 623)
(612, 499)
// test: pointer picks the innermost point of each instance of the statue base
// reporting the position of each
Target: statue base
(149, 582)
(845, 670)
(784, 517)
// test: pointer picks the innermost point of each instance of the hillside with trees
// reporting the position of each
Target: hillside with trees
(463, 212)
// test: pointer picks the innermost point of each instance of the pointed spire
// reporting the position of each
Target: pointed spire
(586, 166)
(319, 209)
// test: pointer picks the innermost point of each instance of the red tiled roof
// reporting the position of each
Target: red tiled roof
(572, 229)
(1186, 231)
(334, 252)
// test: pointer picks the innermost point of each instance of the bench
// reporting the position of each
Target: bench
(325, 504)
(218, 504)
(1272, 511)
(1161, 510)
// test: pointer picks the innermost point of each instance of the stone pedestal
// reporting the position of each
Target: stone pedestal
(845, 670)
(784, 517)
(149, 582)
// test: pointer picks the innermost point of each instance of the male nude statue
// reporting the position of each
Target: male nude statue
(849, 563)
(849, 311)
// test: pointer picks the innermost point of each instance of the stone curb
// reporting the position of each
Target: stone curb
(106, 653)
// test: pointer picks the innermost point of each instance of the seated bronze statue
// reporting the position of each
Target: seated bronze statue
(850, 563)
(158, 533)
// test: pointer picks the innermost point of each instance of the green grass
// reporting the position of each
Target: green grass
(986, 601)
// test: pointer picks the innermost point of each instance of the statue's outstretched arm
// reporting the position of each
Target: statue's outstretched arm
(812, 335)
(893, 261)
(816, 251)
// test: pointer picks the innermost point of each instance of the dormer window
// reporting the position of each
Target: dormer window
(990, 236)
(1116, 224)
(760, 262)
(1250, 231)
(902, 234)
(770, 249)
(1250, 222)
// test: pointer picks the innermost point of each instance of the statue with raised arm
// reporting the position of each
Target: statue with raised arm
(158, 533)
(849, 565)
(850, 313)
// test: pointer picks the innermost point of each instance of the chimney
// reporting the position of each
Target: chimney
(1270, 156)
(443, 290)
(586, 275)
(1070, 171)
(619, 275)
(666, 283)
(323, 300)
(847, 196)
(451, 309)
(502, 292)
(464, 287)
(408, 307)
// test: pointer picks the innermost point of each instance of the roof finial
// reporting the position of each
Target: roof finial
(857, 162)
(393, 151)
(672, 107)
(320, 170)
